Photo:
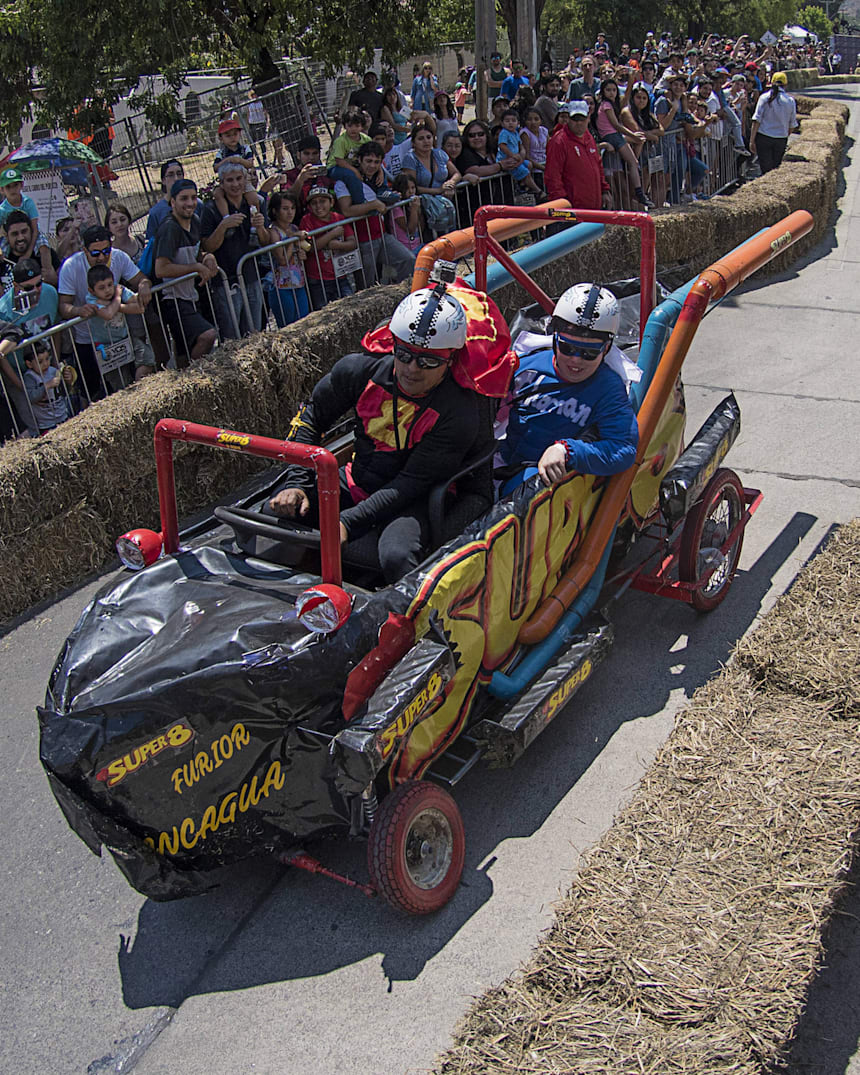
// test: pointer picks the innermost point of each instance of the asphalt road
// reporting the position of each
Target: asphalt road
(280, 972)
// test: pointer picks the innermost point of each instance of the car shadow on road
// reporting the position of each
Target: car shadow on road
(268, 925)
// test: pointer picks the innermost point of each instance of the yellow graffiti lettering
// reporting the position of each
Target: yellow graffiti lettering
(203, 763)
(227, 809)
(481, 593)
(274, 779)
(168, 843)
(216, 815)
(248, 795)
(187, 834)
(209, 822)
(210, 758)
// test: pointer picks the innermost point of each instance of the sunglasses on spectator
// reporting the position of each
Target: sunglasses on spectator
(101, 252)
(477, 134)
(578, 348)
(30, 287)
(422, 359)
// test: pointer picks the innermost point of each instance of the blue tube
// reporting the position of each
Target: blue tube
(658, 329)
(540, 254)
(539, 656)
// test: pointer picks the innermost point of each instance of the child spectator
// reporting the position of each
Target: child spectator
(461, 94)
(286, 293)
(408, 220)
(42, 382)
(68, 238)
(108, 327)
(232, 151)
(533, 139)
(510, 148)
(309, 172)
(341, 156)
(11, 184)
(324, 285)
(610, 129)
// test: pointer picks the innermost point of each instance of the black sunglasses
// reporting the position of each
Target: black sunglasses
(423, 361)
(102, 253)
(578, 348)
(32, 287)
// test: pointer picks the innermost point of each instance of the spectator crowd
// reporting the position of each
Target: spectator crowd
(633, 126)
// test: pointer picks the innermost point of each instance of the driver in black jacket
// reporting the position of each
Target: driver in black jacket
(415, 427)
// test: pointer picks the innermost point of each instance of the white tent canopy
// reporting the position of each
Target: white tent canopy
(798, 33)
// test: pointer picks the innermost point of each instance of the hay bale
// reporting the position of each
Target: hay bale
(688, 939)
(810, 644)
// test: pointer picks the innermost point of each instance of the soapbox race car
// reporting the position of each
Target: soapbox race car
(220, 703)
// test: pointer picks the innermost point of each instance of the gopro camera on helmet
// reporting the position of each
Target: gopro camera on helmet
(444, 272)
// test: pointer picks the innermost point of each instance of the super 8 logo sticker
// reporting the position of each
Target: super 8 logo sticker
(176, 736)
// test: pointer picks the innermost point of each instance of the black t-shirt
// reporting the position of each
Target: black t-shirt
(237, 241)
(369, 100)
(470, 159)
(182, 247)
(395, 462)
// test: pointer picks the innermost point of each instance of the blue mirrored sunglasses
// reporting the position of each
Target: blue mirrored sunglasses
(578, 348)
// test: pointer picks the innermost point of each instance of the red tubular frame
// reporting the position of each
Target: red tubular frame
(322, 461)
(658, 581)
(485, 244)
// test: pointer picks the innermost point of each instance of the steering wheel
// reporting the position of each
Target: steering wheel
(255, 522)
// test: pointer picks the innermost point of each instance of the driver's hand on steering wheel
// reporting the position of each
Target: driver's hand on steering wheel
(291, 503)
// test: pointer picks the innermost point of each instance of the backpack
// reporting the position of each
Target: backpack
(439, 212)
(146, 261)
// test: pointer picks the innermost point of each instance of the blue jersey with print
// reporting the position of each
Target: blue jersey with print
(547, 409)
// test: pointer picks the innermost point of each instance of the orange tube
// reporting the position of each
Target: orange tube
(459, 244)
(714, 283)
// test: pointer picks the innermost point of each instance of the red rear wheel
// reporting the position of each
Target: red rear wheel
(417, 847)
(708, 524)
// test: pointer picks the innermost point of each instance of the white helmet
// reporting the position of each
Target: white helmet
(430, 317)
(587, 306)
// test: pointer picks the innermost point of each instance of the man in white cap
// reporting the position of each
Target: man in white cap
(573, 167)
(415, 427)
(569, 408)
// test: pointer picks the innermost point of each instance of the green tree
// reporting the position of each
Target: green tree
(59, 55)
(812, 17)
(630, 20)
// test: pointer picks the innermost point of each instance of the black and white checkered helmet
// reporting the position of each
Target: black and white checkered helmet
(430, 318)
(587, 306)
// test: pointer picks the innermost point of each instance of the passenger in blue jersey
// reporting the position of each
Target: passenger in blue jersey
(569, 408)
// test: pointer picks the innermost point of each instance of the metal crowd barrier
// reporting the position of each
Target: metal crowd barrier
(669, 175)
(102, 367)
(379, 260)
